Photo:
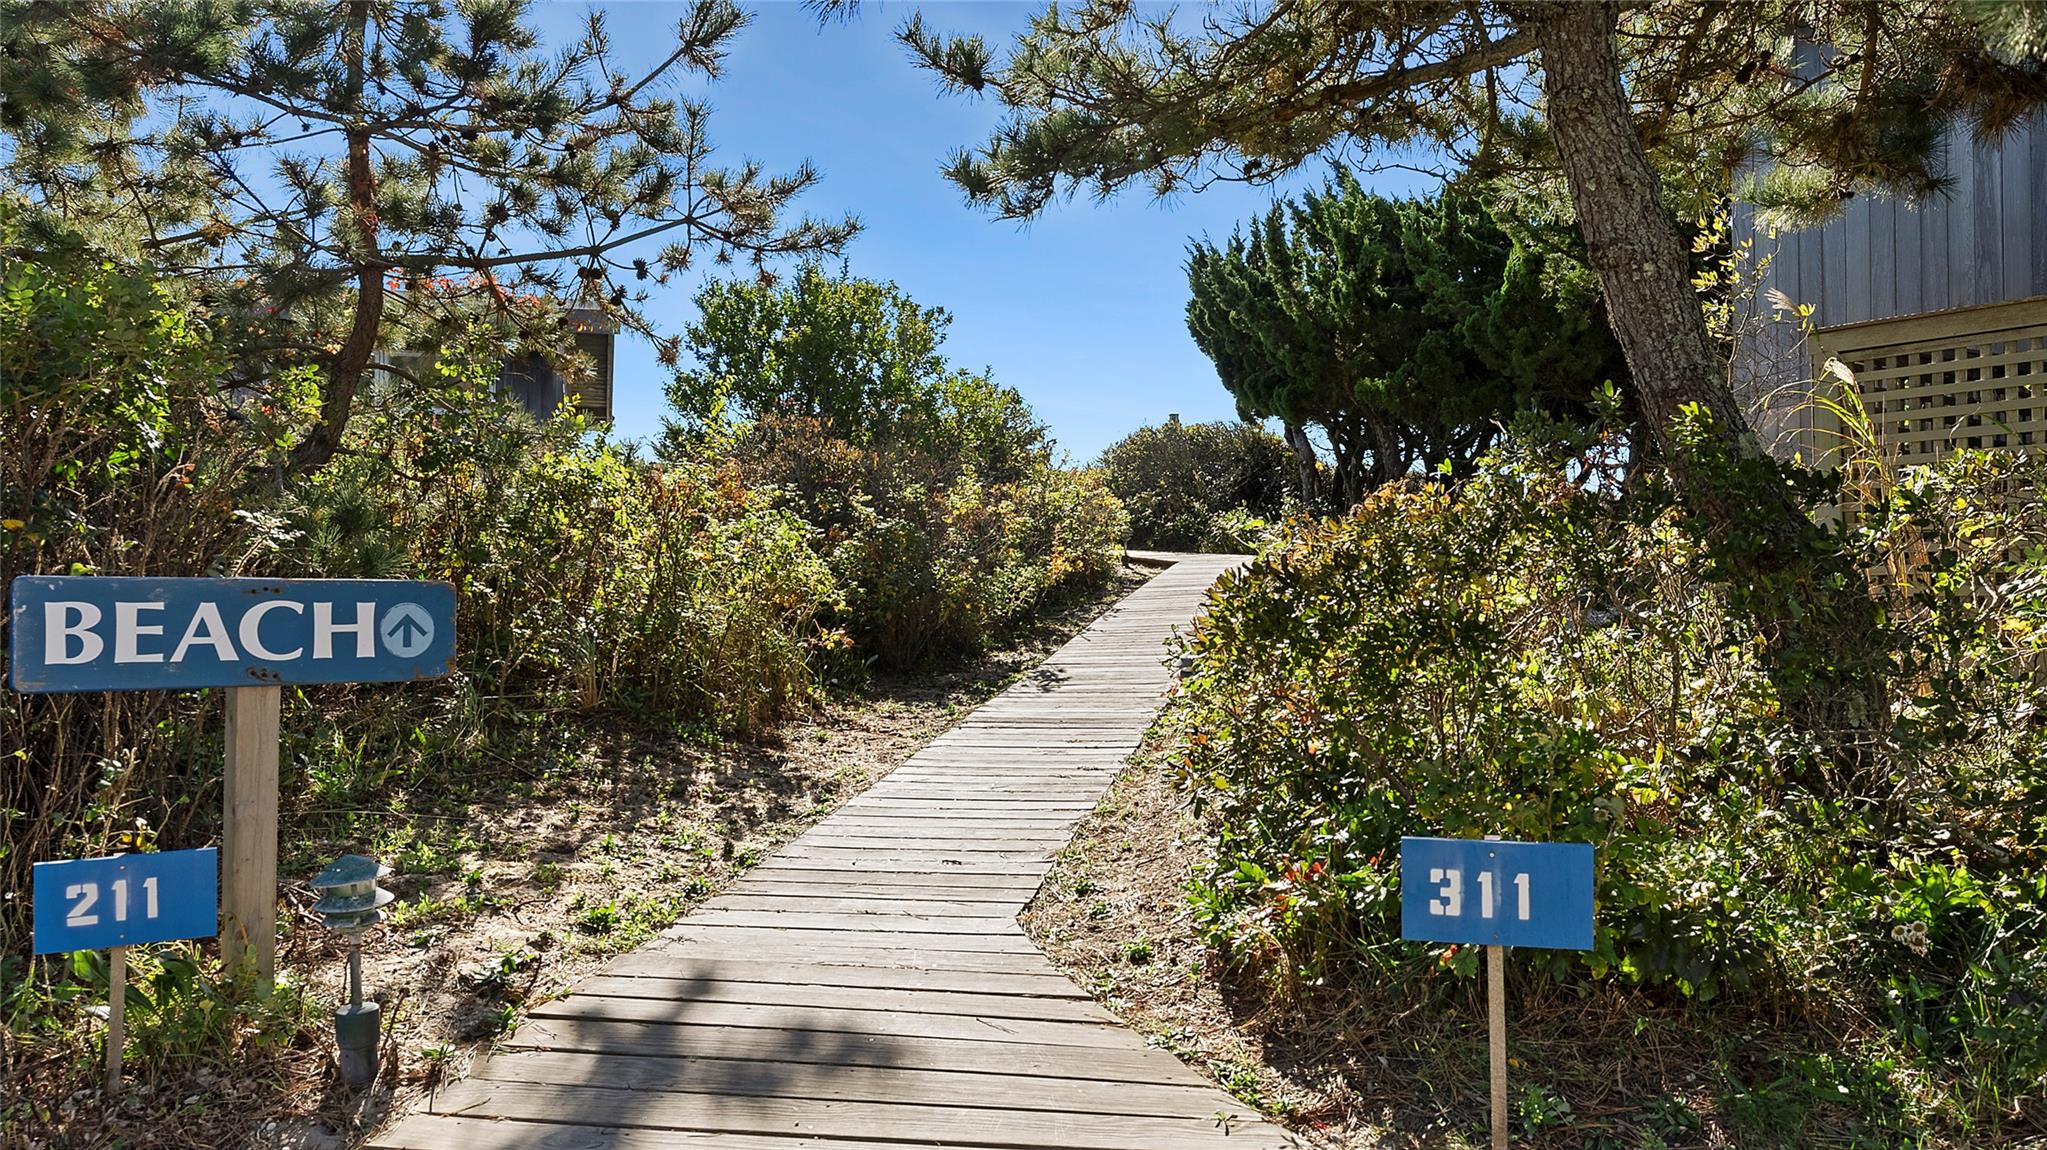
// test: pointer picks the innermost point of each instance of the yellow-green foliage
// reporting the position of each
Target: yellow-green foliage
(1529, 655)
(585, 578)
(932, 558)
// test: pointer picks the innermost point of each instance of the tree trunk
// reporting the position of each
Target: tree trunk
(1304, 461)
(1812, 607)
(345, 373)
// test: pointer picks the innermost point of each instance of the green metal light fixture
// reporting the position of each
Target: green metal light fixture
(350, 903)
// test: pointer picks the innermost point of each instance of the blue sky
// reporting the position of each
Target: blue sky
(1080, 310)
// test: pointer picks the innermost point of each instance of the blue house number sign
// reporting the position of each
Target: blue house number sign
(126, 900)
(1496, 893)
(117, 633)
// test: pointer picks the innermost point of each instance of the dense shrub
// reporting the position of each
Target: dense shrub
(933, 560)
(940, 510)
(1177, 479)
(1532, 656)
(585, 577)
(123, 455)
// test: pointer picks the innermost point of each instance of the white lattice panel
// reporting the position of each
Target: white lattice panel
(1934, 384)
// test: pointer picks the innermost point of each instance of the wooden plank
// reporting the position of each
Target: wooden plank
(778, 877)
(1010, 842)
(810, 872)
(656, 963)
(741, 1079)
(589, 1105)
(1934, 250)
(1985, 250)
(690, 930)
(1880, 229)
(1135, 1063)
(455, 1132)
(2036, 180)
(1910, 227)
(1842, 297)
(835, 901)
(2015, 216)
(1961, 230)
(907, 823)
(876, 1024)
(918, 1000)
(891, 856)
(911, 952)
(896, 923)
(1811, 278)
(932, 798)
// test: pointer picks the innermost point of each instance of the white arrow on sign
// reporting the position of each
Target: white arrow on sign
(406, 630)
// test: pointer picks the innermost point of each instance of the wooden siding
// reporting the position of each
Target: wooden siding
(594, 397)
(1984, 242)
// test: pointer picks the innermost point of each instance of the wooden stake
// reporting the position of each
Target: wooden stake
(1496, 1032)
(1496, 1023)
(248, 857)
(117, 1020)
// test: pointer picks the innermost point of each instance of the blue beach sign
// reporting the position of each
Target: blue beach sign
(125, 900)
(1495, 893)
(117, 633)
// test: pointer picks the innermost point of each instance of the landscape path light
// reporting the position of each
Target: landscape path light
(350, 903)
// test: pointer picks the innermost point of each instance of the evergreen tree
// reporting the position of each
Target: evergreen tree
(344, 170)
(1408, 332)
(1626, 105)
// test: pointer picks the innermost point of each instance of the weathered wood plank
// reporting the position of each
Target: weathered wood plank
(852, 1083)
(720, 935)
(912, 952)
(452, 1132)
(879, 1024)
(662, 963)
(836, 902)
(1137, 1063)
(895, 923)
(590, 1105)
(919, 1000)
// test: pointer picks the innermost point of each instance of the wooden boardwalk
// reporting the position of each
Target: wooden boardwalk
(867, 986)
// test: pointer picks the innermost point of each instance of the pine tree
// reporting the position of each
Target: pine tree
(342, 171)
(1629, 107)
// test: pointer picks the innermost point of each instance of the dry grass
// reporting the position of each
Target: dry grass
(509, 902)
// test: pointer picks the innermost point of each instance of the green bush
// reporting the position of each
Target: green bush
(123, 455)
(1177, 479)
(1531, 656)
(586, 578)
(938, 507)
(932, 559)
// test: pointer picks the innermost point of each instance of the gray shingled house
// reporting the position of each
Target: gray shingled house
(1938, 309)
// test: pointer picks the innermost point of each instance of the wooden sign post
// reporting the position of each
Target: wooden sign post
(1496, 1037)
(121, 901)
(248, 934)
(117, 1015)
(251, 636)
(1497, 894)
